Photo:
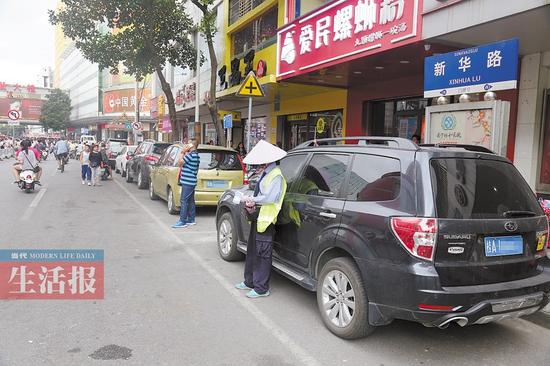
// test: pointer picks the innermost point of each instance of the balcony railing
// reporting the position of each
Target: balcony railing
(239, 8)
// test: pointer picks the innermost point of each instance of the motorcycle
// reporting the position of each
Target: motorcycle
(27, 180)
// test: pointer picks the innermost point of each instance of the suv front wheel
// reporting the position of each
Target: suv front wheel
(342, 299)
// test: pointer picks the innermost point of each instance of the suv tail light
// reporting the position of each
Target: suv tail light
(245, 177)
(151, 159)
(417, 235)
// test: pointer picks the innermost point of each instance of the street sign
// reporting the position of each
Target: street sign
(228, 121)
(13, 123)
(14, 114)
(473, 70)
(251, 87)
(136, 126)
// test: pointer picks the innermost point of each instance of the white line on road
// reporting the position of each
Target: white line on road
(299, 352)
(28, 212)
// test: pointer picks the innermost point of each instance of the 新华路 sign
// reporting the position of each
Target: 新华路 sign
(473, 70)
(345, 30)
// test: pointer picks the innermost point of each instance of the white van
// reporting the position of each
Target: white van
(87, 139)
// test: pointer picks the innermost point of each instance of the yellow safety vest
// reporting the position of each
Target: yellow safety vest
(269, 211)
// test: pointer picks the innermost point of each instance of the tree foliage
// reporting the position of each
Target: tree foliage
(56, 111)
(144, 35)
(208, 28)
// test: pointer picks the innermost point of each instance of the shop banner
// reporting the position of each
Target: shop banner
(166, 124)
(344, 30)
(473, 70)
(29, 109)
(124, 100)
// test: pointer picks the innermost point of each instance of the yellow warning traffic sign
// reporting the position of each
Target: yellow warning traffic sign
(251, 87)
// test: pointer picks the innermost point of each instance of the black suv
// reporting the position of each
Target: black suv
(384, 229)
(146, 155)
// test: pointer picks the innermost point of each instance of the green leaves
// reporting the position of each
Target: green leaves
(142, 34)
(56, 110)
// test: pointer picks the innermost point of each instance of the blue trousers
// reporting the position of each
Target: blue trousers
(187, 204)
(86, 172)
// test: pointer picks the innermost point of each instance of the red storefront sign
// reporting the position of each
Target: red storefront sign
(345, 30)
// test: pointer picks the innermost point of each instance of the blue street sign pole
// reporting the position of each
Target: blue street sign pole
(228, 125)
(473, 70)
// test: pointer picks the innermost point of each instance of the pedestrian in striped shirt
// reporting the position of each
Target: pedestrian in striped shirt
(189, 162)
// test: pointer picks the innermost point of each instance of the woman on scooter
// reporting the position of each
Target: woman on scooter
(27, 159)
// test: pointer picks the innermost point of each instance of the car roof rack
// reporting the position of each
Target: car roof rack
(467, 147)
(398, 142)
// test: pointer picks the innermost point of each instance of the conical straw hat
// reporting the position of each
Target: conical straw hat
(264, 153)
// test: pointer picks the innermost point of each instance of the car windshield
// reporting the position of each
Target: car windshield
(480, 189)
(158, 149)
(116, 146)
(219, 159)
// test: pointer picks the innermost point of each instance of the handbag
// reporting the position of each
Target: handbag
(35, 169)
(251, 213)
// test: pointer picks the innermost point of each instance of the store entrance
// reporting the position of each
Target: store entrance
(396, 118)
(303, 127)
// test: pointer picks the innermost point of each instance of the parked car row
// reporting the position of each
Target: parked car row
(384, 229)
(154, 165)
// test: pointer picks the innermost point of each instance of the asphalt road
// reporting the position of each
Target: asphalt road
(169, 298)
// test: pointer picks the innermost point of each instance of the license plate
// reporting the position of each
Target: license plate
(496, 246)
(216, 184)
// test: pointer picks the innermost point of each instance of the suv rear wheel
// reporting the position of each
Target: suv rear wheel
(227, 239)
(342, 299)
(128, 176)
(141, 183)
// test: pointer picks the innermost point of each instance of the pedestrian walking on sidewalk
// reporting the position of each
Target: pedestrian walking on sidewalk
(263, 208)
(95, 163)
(189, 162)
(85, 165)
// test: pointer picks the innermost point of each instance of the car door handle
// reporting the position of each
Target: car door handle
(328, 215)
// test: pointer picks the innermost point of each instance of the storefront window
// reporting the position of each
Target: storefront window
(303, 127)
(304, 7)
(238, 8)
(259, 34)
(258, 130)
(396, 118)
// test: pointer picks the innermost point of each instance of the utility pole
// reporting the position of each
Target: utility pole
(197, 86)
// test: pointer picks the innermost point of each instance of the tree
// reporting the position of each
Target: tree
(144, 35)
(56, 111)
(208, 28)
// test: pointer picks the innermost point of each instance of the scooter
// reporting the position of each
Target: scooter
(27, 180)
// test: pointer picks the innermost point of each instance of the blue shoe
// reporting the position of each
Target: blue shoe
(179, 224)
(242, 286)
(252, 294)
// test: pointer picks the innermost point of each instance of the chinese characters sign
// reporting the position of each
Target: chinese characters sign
(344, 30)
(124, 100)
(473, 70)
(474, 127)
(51, 274)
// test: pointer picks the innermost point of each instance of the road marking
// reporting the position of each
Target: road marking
(28, 212)
(299, 352)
